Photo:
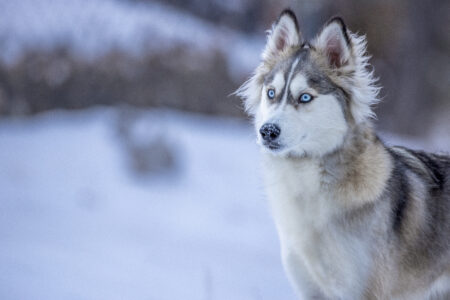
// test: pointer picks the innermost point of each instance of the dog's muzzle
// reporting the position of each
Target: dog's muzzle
(269, 132)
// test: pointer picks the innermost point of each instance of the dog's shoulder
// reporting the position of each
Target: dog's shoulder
(433, 168)
(419, 194)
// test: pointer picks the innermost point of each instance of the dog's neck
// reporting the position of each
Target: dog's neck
(343, 161)
(355, 173)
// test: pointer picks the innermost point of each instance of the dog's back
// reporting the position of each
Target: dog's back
(419, 194)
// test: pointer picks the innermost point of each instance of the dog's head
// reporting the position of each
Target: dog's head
(304, 96)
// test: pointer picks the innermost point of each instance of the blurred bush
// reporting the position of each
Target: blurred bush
(44, 80)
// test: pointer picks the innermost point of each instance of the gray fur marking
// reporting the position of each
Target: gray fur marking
(316, 79)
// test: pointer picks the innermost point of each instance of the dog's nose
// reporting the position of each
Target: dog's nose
(269, 132)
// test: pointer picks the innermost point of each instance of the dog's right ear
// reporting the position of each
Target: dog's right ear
(284, 34)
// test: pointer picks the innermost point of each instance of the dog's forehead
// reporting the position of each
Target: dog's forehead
(278, 81)
(281, 67)
(298, 82)
(293, 64)
(304, 65)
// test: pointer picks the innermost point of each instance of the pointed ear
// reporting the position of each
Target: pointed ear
(334, 42)
(284, 34)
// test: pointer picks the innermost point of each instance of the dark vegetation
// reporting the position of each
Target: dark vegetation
(56, 79)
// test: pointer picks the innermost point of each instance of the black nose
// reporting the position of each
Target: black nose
(269, 132)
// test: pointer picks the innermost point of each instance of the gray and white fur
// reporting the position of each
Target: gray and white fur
(356, 219)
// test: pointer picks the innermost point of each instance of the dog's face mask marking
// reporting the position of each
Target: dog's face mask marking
(304, 97)
(300, 118)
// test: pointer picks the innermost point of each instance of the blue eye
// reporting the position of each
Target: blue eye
(305, 97)
(271, 93)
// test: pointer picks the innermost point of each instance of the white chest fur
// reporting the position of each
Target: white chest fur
(317, 253)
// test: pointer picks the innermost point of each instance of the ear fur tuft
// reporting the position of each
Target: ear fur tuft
(364, 88)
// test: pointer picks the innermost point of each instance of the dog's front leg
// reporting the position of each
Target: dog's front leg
(299, 277)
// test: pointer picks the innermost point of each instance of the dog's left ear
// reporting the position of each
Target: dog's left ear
(284, 34)
(334, 42)
(346, 52)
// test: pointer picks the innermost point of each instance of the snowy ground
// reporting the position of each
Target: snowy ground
(77, 224)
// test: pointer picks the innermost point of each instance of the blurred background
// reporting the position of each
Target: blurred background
(127, 171)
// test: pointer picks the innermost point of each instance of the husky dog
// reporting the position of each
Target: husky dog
(356, 219)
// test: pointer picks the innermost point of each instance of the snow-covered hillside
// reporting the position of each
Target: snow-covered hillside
(78, 224)
(93, 28)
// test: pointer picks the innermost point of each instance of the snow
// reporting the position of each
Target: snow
(92, 28)
(77, 224)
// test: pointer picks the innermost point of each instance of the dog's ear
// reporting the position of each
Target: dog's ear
(334, 42)
(345, 52)
(284, 34)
